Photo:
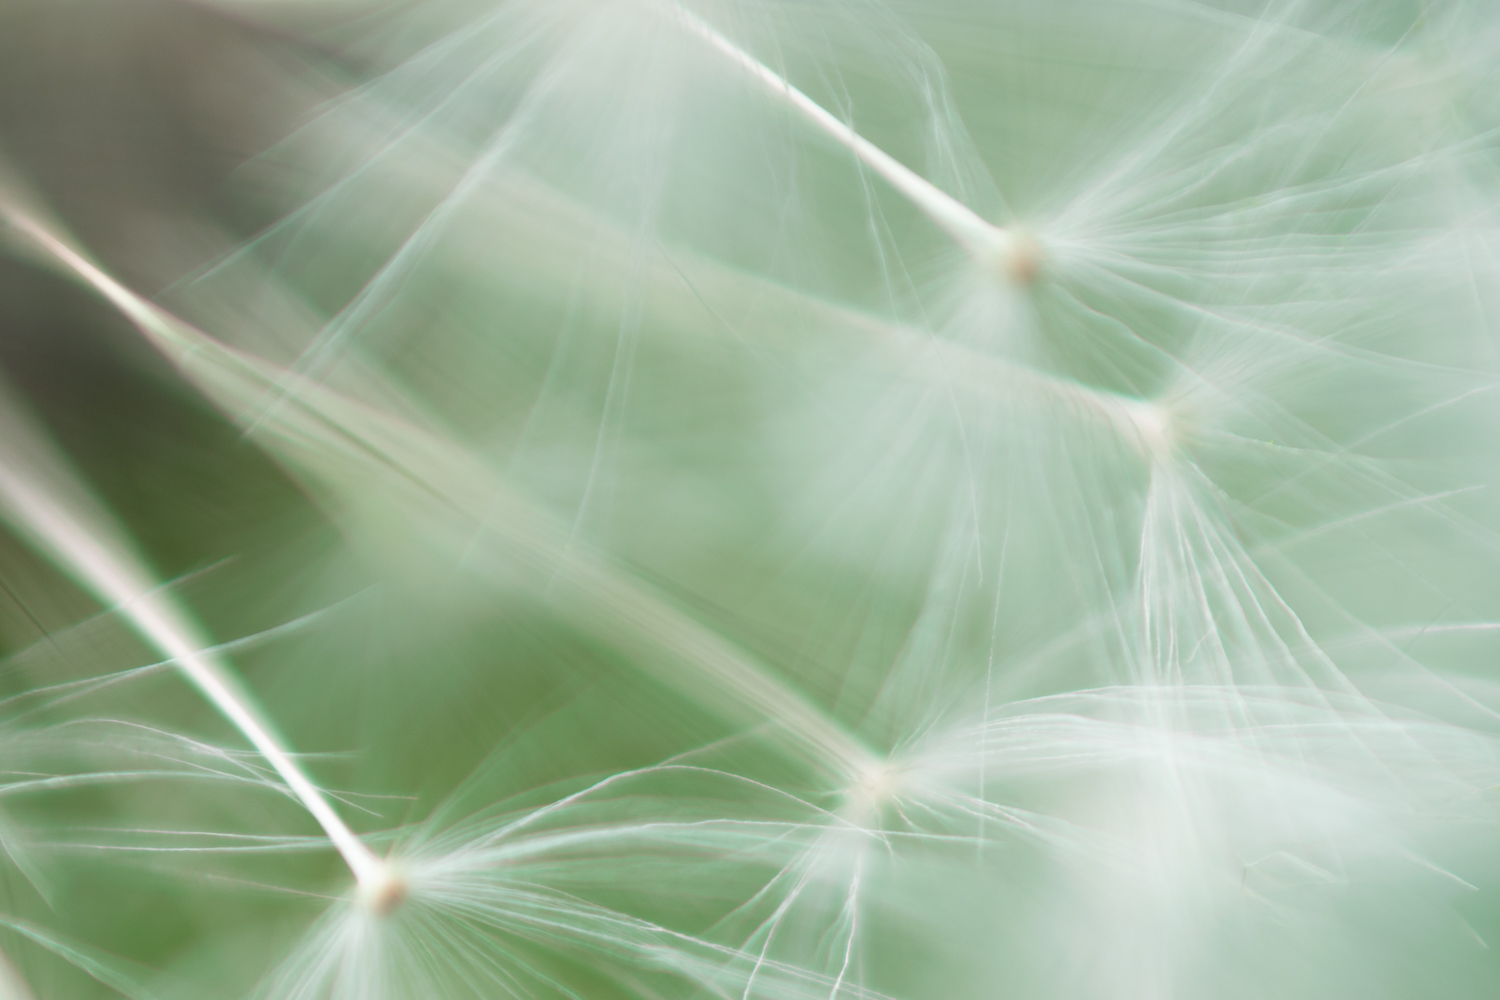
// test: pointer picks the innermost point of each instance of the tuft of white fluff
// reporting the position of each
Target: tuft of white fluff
(854, 499)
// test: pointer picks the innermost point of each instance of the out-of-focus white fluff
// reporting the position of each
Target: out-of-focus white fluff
(1100, 606)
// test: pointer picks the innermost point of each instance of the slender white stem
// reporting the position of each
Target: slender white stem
(87, 544)
(982, 239)
(136, 309)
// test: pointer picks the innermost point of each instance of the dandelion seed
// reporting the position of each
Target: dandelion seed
(921, 496)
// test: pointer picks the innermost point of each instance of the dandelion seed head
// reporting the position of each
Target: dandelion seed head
(1150, 425)
(1022, 258)
(1011, 254)
(703, 403)
(383, 894)
(875, 788)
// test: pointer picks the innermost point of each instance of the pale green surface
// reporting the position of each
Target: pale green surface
(1128, 635)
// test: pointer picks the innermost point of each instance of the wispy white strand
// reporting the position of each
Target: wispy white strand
(93, 550)
(1011, 254)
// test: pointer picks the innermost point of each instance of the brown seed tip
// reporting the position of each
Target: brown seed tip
(1023, 264)
(386, 896)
